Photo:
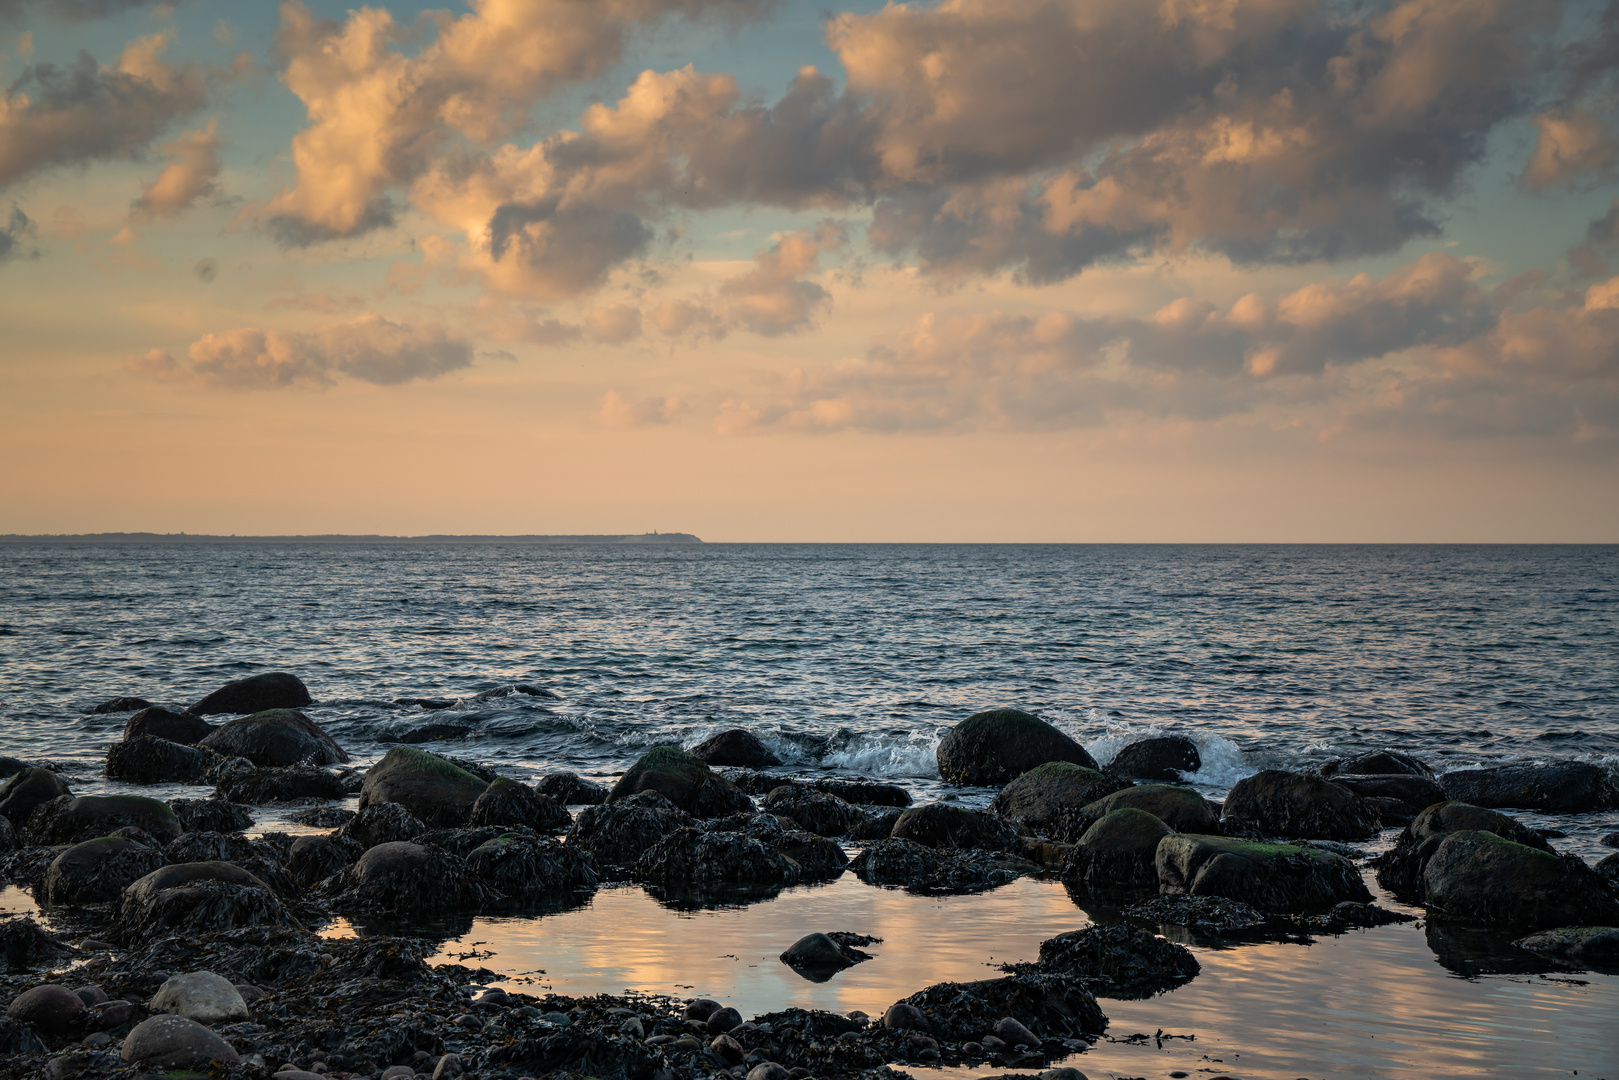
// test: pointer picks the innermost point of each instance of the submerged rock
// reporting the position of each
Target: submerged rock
(1383, 763)
(1481, 877)
(1119, 851)
(146, 759)
(1040, 797)
(1213, 913)
(201, 996)
(173, 1042)
(97, 871)
(210, 815)
(197, 898)
(184, 728)
(1048, 1005)
(382, 823)
(1597, 945)
(1164, 758)
(433, 789)
(275, 739)
(737, 746)
(691, 862)
(814, 811)
(403, 878)
(685, 781)
(120, 704)
(1271, 877)
(941, 825)
(906, 864)
(1299, 805)
(1181, 808)
(69, 819)
(508, 802)
(1570, 787)
(571, 789)
(998, 746)
(254, 694)
(1117, 961)
(26, 789)
(531, 868)
(617, 835)
(1399, 870)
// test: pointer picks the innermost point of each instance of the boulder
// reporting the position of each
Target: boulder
(275, 739)
(1399, 870)
(434, 790)
(1481, 877)
(1167, 757)
(120, 704)
(210, 847)
(256, 694)
(69, 819)
(260, 787)
(315, 858)
(818, 953)
(197, 898)
(210, 815)
(735, 747)
(861, 792)
(1608, 867)
(27, 946)
(901, 1016)
(685, 781)
(1001, 745)
(1042, 795)
(905, 864)
(97, 871)
(1413, 793)
(814, 811)
(1181, 808)
(613, 837)
(1597, 945)
(8, 837)
(27, 789)
(184, 728)
(941, 825)
(1383, 763)
(531, 868)
(1118, 961)
(382, 823)
(147, 759)
(818, 857)
(688, 862)
(201, 996)
(1570, 787)
(1292, 804)
(407, 879)
(1271, 877)
(10, 766)
(571, 789)
(879, 825)
(1048, 1005)
(173, 1042)
(508, 802)
(50, 1007)
(1119, 851)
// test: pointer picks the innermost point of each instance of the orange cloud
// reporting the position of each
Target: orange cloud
(192, 175)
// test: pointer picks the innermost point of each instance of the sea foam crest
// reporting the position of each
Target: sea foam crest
(1103, 736)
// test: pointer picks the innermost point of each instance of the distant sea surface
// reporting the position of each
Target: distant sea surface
(852, 658)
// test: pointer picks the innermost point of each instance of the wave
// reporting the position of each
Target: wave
(1103, 736)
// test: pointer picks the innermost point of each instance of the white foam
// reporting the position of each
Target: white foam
(1223, 762)
(913, 755)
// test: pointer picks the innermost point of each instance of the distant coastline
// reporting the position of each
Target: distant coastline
(339, 538)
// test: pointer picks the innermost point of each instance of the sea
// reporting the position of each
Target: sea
(853, 660)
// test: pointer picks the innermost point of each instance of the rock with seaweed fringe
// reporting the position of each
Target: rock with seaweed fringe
(1481, 877)
(210, 815)
(295, 784)
(1208, 913)
(614, 836)
(275, 739)
(531, 868)
(1594, 945)
(818, 857)
(27, 946)
(1119, 851)
(26, 790)
(1181, 808)
(313, 859)
(692, 862)
(814, 811)
(897, 863)
(1039, 797)
(97, 871)
(509, 802)
(185, 728)
(407, 879)
(1399, 870)
(685, 781)
(1048, 1004)
(1299, 805)
(69, 819)
(941, 825)
(571, 789)
(433, 789)
(1116, 961)
(1271, 877)
(1000, 745)
(382, 823)
(147, 759)
(197, 898)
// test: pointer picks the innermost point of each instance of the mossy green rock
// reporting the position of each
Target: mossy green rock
(1000, 745)
(1481, 877)
(1270, 877)
(434, 790)
(1399, 870)
(1119, 851)
(71, 819)
(1181, 808)
(275, 739)
(1043, 794)
(684, 780)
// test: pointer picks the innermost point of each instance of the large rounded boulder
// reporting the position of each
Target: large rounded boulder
(1181, 808)
(1405, 794)
(1120, 851)
(432, 789)
(614, 836)
(407, 879)
(173, 1042)
(97, 871)
(507, 802)
(147, 759)
(1270, 877)
(197, 898)
(815, 811)
(1385, 763)
(1046, 792)
(735, 747)
(70, 819)
(259, 787)
(1482, 877)
(690, 862)
(316, 857)
(1280, 803)
(940, 825)
(531, 869)
(275, 739)
(256, 693)
(1399, 870)
(27, 789)
(571, 789)
(684, 780)
(156, 722)
(382, 823)
(1002, 744)
(1168, 757)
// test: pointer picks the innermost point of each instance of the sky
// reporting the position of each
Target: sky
(963, 270)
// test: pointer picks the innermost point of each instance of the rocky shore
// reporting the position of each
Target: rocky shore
(176, 945)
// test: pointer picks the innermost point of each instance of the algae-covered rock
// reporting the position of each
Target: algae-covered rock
(97, 871)
(1299, 805)
(1039, 797)
(431, 788)
(691, 862)
(275, 738)
(735, 747)
(818, 812)
(896, 863)
(508, 802)
(315, 858)
(818, 956)
(147, 759)
(818, 857)
(613, 837)
(197, 898)
(26, 789)
(1271, 877)
(69, 819)
(254, 694)
(1119, 851)
(685, 781)
(184, 728)
(1568, 787)
(1049, 1005)
(1118, 961)
(531, 868)
(1166, 757)
(408, 879)
(941, 825)
(210, 815)
(1384, 763)
(571, 789)
(1399, 870)
(382, 823)
(1597, 945)
(1002, 744)
(301, 783)
(1181, 808)
(1481, 877)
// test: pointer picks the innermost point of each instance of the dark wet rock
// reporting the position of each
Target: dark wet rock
(1039, 797)
(737, 746)
(685, 781)
(275, 739)
(857, 791)
(1292, 804)
(197, 898)
(700, 1009)
(210, 815)
(1576, 944)
(722, 1020)
(1569, 787)
(49, 1007)
(1383, 763)
(27, 946)
(941, 825)
(817, 857)
(431, 704)
(10, 766)
(1116, 961)
(1413, 794)
(1164, 758)
(202, 996)
(1608, 867)
(121, 704)
(1049, 1005)
(429, 733)
(1181, 808)
(69, 819)
(28, 789)
(902, 1016)
(229, 769)
(508, 802)
(1399, 870)
(617, 835)
(571, 789)
(1352, 914)
(1000, 745)
(382, 823)
(8, 838)
(407, 879)
(689, 862)
(531, 868)
(256, 694)
(173, 1042)
(97, 871)
(462, 842)
(315, 858)
(879, 824)
(907, 864)
(814, 811)
(184, 728)
(1482, 877)
(821, 953)
(209, 847)
(150, 760)
(322, 817)
(1213, 913)
(433, 789)
(1271, 877)
(1119, 851)
(282, 785)
(18, 1039)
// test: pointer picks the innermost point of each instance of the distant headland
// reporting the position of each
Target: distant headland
(339, 538)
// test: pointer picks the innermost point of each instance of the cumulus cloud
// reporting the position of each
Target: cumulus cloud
(63, 116)
(371, 349)
(14, 232)
(618, 411)
(1569, 146)
(192, 174)
(775, 297)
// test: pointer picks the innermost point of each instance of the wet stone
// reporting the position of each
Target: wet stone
(97, 871)
(507, 802)
(173, 1042)
(382, 823)
(185, 728)
(570, 789)
(49, 1007)
(202, 996)
(1167, 757)
(210, 815)
(149, 760)
(997, 746)
(267, 785)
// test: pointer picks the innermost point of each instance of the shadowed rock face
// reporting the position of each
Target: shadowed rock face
(1164, 758)
(508, 802)
(188, 729)
(275, 738)
(1399, 870)
(69, 819)
(685, 781)
(260, 786)
(97, 871)
(998, 746)
(1271, 877)
(735, 747)
(1596, 945)
(174, 1042)
(408, 879)
(197, 898)
(571, 789)
(1119, 851)
(1569, 787)
(434, 790)
(1117, 961)
(146, 759)
(909, 865)
(530, 868)
(1181, 808)
(819, 813)
(1290, 804)
(614, 837)
(256, 693)
(1384, 763)
(689, 861)
(1048, 1005)
(1482, 877)
(26, 789)
(940, 825)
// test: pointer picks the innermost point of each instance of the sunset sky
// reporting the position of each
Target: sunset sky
(997, 270)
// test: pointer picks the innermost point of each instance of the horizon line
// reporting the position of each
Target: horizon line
(690, 539)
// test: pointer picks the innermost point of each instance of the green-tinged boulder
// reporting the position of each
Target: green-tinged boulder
(1399, 870)
(1596, 945)
(27, 789)
(1181, 808)
(684, 780)
(1481, 877)
(1120, 851)
(68, 819)
(97, 871)
(1000, 745)
(256, 693)
(941, 825)
(275, 738)
(1046, 792)
(1270, 877)
(432, 789)
(1297, 805)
